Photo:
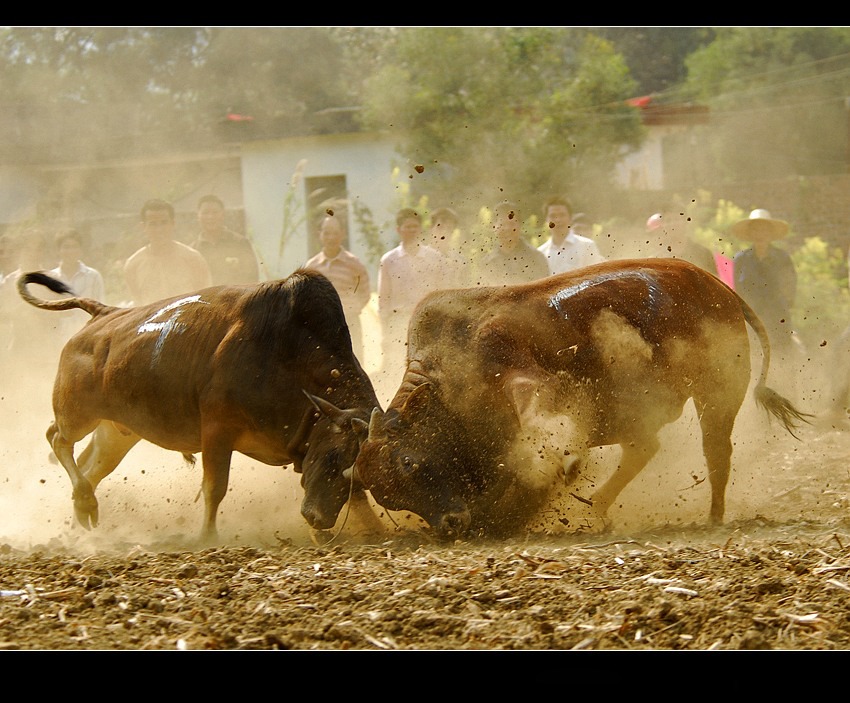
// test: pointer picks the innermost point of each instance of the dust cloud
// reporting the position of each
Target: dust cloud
(150, 498)
(673, 489)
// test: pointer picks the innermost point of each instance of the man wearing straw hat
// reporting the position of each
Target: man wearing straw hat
(765, 276)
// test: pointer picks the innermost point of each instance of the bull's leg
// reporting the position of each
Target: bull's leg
(717, 447)
(85, 504)
(634, 457)
(216, 455)
(107, 447)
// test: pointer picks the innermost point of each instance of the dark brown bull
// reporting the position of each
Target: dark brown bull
(507, 388)
(265, 370)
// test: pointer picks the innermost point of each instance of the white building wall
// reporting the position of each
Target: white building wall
(269, 169)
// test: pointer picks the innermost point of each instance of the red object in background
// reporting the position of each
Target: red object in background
(725, 269)
(235, 117)
(642, 101)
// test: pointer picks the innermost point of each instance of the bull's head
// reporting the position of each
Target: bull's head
(332, 446)
(413, 460)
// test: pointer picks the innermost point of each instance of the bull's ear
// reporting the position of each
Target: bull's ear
(418, 400)
(328, 409)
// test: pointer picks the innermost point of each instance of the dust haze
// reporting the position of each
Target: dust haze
(150, 498)
(152, 495)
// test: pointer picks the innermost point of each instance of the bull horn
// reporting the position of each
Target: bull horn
(377, 431)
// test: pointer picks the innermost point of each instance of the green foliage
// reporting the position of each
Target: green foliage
(524, 111)
(376, 246)
(778, 96)
(294, 215)
(656, 55)
(822, 308)
(369, 230)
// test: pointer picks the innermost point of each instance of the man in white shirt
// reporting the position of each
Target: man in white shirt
(85, 281)
(405, 275)
(565, 250)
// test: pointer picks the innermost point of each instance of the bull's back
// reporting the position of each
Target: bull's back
(235, 354)
(662, 298)
(662, 324)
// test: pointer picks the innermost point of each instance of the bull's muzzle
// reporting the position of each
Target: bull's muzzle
(452, 525)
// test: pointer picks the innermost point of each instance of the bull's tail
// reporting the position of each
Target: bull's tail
(91, 306)
(767, 398)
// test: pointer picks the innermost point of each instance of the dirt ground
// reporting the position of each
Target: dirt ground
(774, 576)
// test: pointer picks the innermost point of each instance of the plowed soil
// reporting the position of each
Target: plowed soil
(775, 575)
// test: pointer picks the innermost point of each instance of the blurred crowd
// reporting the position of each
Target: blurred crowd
(434, 251)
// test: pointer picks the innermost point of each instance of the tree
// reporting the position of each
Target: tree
(656, 55)
(491, 112)
(110, 91)
(778, 99)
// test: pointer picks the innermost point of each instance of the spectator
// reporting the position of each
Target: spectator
(229, 255)
(766, 278)
(675, 240)
(348, 275)
(444, 238)
(512, 259)
(85, 281)
(163, 267)
(566, 250)
(580, 225)
(31, 337)
(405, 275)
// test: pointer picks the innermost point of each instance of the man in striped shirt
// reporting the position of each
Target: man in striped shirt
(348, 275)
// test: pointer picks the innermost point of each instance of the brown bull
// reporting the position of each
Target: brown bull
(507, 388)
(265, 370)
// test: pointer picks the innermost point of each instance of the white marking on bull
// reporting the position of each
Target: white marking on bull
(565, 293)
(172, 324)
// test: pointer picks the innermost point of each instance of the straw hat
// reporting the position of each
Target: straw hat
(759, 226)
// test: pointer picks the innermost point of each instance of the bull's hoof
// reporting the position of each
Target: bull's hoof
(85, 519)
(206, 540)
(85, 509)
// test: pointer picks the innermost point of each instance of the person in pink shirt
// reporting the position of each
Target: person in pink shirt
(348, 275)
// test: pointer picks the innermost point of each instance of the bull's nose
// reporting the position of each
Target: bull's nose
(316, 519)
(454, 525)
